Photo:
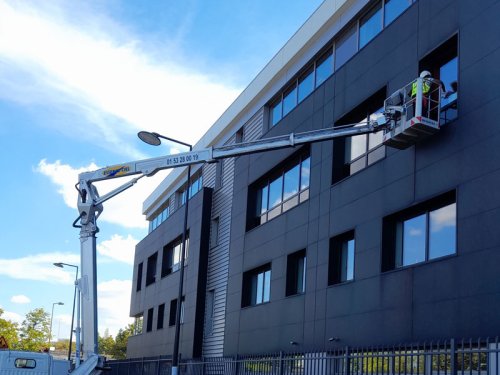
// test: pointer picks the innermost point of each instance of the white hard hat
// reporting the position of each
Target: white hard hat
(425, 74)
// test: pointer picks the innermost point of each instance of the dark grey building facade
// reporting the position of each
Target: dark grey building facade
(346, 242)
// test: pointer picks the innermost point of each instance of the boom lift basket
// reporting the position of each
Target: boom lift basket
(413, 112)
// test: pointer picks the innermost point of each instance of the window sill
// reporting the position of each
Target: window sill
(358, 172)
(295, 295)
(341, 283)
(420, 264)
(257, 305)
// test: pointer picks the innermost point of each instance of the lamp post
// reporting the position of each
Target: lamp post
(154, 140)
(52, 318)
(61, 265)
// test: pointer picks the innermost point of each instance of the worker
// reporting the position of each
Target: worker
(426, 89)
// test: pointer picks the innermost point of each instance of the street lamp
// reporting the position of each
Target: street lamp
(52, 318)
(61, 265)
(154, 140)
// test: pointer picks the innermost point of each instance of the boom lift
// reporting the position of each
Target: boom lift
(407, 120)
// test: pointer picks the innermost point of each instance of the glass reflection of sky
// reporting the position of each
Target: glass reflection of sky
(449, 75)
(442, 226)
(414, 240)
(291, 182)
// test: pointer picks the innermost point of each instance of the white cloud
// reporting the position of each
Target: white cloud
(104, 77)
(12, 316)
(20, 298)
(414, 232)
(125, 209)
(40, 267)
(113, 305)
(443, 218)
(118, 248)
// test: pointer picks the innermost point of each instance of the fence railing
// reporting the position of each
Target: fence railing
(450, 357)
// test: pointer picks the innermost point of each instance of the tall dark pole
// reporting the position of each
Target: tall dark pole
(154, 139)
(175, 355)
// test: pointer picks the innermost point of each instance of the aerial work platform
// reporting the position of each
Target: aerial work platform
(413, 112)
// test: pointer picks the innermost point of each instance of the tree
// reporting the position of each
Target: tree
(120, 348)
(8, 330)
(106, 344)
(35, 331)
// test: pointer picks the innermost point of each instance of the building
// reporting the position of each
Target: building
(344, 242)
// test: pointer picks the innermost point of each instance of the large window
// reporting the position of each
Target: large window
(138, 323)
(341, 258)
(296, 273)
(356, 153)
(195, 186)
(173, 312)
(256, 286)
(358, 33)
(284, 188)
(161, 316)
(151, 270)
(139, 277)
(421, 233)
(149, 324)
(443, 65)
(160, 217)
(171, 260)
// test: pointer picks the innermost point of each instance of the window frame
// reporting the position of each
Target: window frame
(336, 255)
(160, 319)
(392, 237)
(296, 269)
(171, 251)
(138, 285)
(149, 323)
(250, 286)
(151, 270)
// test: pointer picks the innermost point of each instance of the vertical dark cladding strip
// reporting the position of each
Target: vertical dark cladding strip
(202, 272)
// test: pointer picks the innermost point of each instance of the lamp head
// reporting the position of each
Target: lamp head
(149, 138)
(60, 265)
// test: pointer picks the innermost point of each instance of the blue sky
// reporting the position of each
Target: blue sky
(78, 80)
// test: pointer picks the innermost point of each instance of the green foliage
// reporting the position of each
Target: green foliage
(34, 331)
(8, 330)
(120, 348)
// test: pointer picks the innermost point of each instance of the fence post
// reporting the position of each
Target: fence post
(237, 366)
(453, 357)
(281, 369)
(347, 361)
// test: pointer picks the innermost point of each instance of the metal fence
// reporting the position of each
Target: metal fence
(450, 357)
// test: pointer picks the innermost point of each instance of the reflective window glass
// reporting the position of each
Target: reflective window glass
(414, 239)
(345, 47)
(276, 113)
(289, 101)
(448, 74)
(349, 260)
(291, 180)
(267, 286)
(306, 85)
(370, 25)
(260, 288)
(442, 231)
(355, 147)
(305, 173)
(375, 139)
(324, 68)
(263, 199)
(275, 192)
(393, 8)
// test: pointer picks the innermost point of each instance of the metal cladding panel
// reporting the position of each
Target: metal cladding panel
(218, 262)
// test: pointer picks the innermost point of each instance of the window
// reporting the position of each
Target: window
(324, 67)
(341, 258)
(289, 100)
(138, 320)
(171, 260)
(256, 286)
(346, 46)
(276, 110)
(209, 316)
(356, 153)
(139, 277)
(173, 312)
(160, 217)
(24, 363)
(149, 326)
(238, 137)
(421, 233)
(370, 25)
(151, 270)
(296, 273)
(306, 84)
(443, 65)
(195, 186)
(284, 188)
(394, 8)
(161, 316)
(214, 236)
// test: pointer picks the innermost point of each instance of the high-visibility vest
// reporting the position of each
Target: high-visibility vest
(426, 87)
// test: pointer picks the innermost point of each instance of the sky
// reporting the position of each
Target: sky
(78, 80)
